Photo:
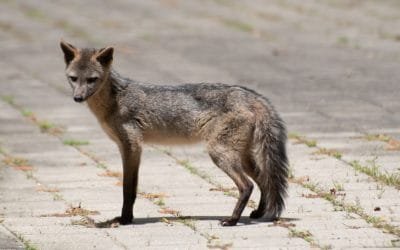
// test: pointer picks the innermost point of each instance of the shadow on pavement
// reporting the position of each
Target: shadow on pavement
(245, 220)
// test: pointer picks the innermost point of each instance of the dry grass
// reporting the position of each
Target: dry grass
(169, 211)
(73, 211)
(392, 144)
(42, 188)
(373, 170)
(328, 152)
(15, 161)
(152, 196)
(110, 173)
(299, 139)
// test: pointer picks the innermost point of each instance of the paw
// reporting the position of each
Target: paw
(124, 220)
(228, 222)
(256, 214)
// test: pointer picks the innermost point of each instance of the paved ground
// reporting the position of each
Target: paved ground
(330, 67)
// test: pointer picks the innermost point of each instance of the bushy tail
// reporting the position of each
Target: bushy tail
(269, 153)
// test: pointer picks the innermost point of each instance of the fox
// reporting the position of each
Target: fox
(243, 133)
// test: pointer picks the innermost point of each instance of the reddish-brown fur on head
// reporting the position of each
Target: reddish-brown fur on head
(86, 69)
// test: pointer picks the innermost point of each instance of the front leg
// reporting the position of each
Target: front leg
(131, 160)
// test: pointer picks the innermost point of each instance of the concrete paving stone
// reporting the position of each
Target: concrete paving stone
(61, 235)
(8, 177)
(318, 62)
(63, 159)
(85, 176)
(8, 240)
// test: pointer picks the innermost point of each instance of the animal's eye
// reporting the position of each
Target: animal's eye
(91, 79)
(73, 78)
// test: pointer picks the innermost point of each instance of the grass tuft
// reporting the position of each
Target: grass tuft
(343, 40)
(377, 222)
(27, 113)
(373, 170)
(329, 152)
(302, 139)
(45, 126)
(8, 99)
(238, 25)
(376, 137)
(15, 161)
(75, 143)
(28, 245)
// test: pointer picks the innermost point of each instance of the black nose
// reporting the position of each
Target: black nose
(78, 98)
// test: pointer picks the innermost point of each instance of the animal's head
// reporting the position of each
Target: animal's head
(86, 69)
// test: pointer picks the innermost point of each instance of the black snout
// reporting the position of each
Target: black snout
(78, 98)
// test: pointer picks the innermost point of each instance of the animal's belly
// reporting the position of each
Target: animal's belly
(164, 139)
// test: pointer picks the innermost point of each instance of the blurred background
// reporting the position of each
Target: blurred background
(327, 65)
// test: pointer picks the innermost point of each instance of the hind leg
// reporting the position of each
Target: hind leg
(230, 162)
(262, 205)
(251, 170)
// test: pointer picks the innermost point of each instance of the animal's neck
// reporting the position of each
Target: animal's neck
(102, 102)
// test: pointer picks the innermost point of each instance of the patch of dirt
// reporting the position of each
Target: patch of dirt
(393, 145)
(282, 223)
(41, 188)
(73, 211)
(169, 211)
(300, 180)
(109, 173)
(152, 196)
(23, 168)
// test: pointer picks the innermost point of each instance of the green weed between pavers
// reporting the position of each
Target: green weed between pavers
(342, 40)
(192, 169)
(307, 236)
(34, 13)
(101, 165)
(392, 144)
(15, 161)
(236, 24)
(28, 245)
(302, 139)
(160, 202)
(57, 197)
(74, 143)
(338, 186)
(373, 170)
(377, 137)
(220, 246)
(328, 152)
(304, 234)
(8, 99)
(377, 222)
(26, 113)
(45, 126)
(187, 221)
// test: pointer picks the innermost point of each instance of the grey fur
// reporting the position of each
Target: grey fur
(245, 136)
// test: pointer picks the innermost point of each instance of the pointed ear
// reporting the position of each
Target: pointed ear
(105, 56)
(69, 51)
